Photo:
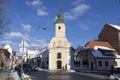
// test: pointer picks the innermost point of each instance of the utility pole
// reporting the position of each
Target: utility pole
(23, 50)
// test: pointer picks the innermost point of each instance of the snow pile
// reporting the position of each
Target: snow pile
(27, 77)
(114, 77)
(15, 75)
(71, 71)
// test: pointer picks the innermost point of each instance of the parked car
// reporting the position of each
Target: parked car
(29, 67)
(117, 70)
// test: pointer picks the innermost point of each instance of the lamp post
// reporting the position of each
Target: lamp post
(23, 50)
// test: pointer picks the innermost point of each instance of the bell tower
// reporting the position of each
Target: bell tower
(60, 26)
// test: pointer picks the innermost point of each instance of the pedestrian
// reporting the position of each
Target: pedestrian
(112, 70)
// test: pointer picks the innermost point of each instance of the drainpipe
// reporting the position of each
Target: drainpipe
(119, 40)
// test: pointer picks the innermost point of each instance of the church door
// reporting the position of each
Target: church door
(59, 64)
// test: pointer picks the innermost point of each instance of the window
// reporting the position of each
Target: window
(59, 27)
(59, 55)
(106, 63)
(99, 63)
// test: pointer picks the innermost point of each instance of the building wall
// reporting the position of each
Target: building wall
(115, 62)
(45, 59)
(86, 55)
(60, 32)
(83, 54)
(111, 35)
(103, 67)
(65, 58)
(9, 48)
(31, 53)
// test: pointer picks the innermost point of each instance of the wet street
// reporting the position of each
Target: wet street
(62, 75)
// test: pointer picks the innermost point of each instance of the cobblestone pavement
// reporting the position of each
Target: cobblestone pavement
(62, 75)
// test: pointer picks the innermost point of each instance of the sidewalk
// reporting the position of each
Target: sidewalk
(4, 76)
(96, 74)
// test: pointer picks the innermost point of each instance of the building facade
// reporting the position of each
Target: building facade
(61, 53)
(98, 55)
(111, 34)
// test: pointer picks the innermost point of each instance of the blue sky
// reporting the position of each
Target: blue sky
(84, 20)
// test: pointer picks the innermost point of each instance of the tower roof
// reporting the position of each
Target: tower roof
(60, 18)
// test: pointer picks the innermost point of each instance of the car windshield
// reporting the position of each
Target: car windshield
(30, 65)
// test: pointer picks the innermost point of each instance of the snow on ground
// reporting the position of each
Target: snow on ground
(114, 77)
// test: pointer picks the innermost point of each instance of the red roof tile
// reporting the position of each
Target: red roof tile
(92, 44)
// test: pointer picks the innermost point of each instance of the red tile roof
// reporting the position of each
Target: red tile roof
(92, 44)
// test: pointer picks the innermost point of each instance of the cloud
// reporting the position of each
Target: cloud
(38, 43)
(85, 25)
(77, 2)
(35, 3)
(26, 27)
(6, 41)
(76, 11)
(41, 12)
(38, 5)
(17, 35)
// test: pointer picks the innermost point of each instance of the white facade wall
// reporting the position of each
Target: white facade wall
(31, 53)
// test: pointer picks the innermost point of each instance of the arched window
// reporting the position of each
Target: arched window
(59, 55)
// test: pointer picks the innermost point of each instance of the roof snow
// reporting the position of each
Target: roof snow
(115, 26)
(97, 53)
(103, 48)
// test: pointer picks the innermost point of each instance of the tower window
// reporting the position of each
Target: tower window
(59, 27)
(59, 55)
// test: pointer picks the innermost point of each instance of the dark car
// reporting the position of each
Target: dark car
(117, 70)
(29, 67)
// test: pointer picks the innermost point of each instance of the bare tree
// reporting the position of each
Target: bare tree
(3, 21)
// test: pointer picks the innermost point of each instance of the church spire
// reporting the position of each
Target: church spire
(60, 16)
(60, 7)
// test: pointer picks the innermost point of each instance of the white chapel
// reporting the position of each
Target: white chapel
(61, 52)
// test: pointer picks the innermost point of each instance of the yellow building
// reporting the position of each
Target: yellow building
(61, 52)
